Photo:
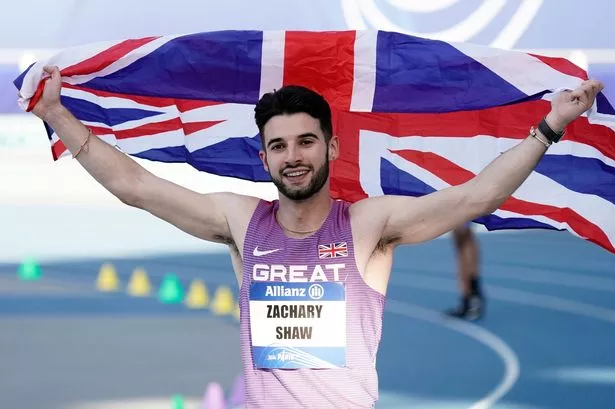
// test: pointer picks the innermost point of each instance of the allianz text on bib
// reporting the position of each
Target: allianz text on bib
(298, 325)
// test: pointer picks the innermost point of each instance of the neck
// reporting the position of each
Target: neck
(305, 216)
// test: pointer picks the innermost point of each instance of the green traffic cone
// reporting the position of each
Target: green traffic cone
(171, 291)
(177, 402)
(29, 270)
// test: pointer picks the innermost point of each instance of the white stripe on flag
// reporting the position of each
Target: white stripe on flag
(507, 214)
(63, 59)
(364, 71)
(118, 101)
(514, 66)
(161, 140)
(123, 62)
(272, 62)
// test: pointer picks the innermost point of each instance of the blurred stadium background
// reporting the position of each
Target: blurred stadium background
(80, 336)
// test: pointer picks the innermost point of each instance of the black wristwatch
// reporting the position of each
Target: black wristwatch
(549, 133)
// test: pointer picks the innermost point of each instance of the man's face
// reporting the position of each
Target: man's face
(296, 156)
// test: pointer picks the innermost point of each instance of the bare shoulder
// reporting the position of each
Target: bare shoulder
(373, 248)
(237, 208)
(368, 219)
(369, 216)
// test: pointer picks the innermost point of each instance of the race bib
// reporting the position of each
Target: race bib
(298, 325)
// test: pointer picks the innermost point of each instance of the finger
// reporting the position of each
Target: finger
(49, 69)
(596, 82)
(586, 92)
(52, 71)
(592, 89)
(578, 94)
(55, 73)
(596, 86)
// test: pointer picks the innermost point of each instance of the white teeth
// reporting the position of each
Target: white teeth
(303, 172)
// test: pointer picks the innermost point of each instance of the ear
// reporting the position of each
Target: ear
(263, 156)
(334, 148)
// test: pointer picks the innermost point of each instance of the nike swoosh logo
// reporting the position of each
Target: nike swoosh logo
(258, 253)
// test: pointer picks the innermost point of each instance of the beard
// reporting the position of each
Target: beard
(301, 193)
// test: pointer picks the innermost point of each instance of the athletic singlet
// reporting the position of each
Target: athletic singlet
(310, 326)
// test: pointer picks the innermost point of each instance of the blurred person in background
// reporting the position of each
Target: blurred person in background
(472, 301)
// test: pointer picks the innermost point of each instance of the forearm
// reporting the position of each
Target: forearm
(117, 172)
(499, 180)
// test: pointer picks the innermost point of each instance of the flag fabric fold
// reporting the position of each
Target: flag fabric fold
(413, 115)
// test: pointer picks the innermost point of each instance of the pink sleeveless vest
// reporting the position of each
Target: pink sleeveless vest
(317, 324)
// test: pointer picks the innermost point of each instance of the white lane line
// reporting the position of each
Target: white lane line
(506, 354)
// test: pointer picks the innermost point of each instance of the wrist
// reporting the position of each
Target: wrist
(557, 125)
(551, 129)
(54, 113)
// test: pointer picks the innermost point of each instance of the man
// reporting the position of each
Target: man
(313, 272)
(472, 303)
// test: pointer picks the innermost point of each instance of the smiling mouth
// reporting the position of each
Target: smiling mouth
(295, 174)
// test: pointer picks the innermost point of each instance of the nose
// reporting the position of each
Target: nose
(293, 155)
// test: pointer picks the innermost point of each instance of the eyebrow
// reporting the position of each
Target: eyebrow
(300, 136)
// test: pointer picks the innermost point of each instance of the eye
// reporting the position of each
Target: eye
(276, 147)
(307, 142)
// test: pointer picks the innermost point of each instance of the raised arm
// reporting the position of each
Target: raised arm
(413, 220)
(201, 215)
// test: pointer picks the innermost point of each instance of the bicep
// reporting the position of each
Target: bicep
(202, 215)
(419, 219)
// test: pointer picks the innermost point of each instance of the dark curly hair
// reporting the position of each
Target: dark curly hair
(292, 99)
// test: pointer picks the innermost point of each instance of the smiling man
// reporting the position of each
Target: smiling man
(313, 272)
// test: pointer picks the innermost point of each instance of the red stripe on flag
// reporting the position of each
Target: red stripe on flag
(57, 149)
(562, 65)
(37, 94)
(345, 173)
(100, 130)
(184, 105)
(192, 127)
(331, 73)
(453, 174)
(446, 170)
(578, 223)
(106, 57)
(172, 124)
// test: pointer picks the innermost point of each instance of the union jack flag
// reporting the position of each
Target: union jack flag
(413, 115)
(333, 250)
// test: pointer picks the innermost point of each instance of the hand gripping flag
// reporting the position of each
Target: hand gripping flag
(413, 115)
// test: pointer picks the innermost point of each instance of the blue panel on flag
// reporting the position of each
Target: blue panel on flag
(493, 222)
(216, 66)
(284, 291)
(88, 111)
(19, 80)
(419, 75)
(606, 74)
(604, 106)
(395, 181)
(215, 159)
(601, 175)
(295, 358)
